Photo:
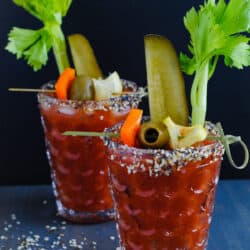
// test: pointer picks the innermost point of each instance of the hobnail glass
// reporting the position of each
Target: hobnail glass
(163, 199)
(78, 164)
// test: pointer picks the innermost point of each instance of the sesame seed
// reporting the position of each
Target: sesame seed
(112, 237)
(13, 216)
(2, 237)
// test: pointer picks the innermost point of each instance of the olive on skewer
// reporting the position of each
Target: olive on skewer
(153, 135)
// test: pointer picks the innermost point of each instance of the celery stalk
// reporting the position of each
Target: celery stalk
(199, 95)
(60, 49)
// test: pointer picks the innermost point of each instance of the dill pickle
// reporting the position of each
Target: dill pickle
(82, 89)
(83, 56)
(166, 87)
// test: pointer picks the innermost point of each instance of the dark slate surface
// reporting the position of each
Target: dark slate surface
(28, 212)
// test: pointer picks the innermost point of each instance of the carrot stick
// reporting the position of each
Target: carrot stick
(131, 126)
(64, 83)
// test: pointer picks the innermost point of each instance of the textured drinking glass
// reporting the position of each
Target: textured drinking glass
(163, 199)
(78, 164)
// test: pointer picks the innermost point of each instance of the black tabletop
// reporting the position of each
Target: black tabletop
(28, 221)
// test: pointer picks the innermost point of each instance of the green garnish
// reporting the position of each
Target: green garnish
(217, 29)
(34, 45)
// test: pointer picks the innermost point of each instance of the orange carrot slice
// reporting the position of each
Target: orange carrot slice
(64, 82)
(131, 126)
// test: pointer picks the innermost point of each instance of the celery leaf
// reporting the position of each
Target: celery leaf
(45, 10)
(217, 29)
(34, 45)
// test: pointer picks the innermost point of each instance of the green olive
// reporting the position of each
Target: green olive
(82, 89)
(153, 135)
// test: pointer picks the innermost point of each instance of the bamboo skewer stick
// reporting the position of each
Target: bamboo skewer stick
(32, 90)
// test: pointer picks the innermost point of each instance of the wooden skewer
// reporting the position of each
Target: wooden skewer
(126, 93)
(89, 133)
(32, 90)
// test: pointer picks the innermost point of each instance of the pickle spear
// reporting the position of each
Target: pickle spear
(166, 87)
(83, 56)
(82, 89)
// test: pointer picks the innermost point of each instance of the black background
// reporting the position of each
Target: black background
(115, 30)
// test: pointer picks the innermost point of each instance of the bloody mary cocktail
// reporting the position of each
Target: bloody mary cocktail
(163, 198)
(78, 164)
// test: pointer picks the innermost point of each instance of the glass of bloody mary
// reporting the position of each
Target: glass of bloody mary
(78, 164)
(164, 198)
